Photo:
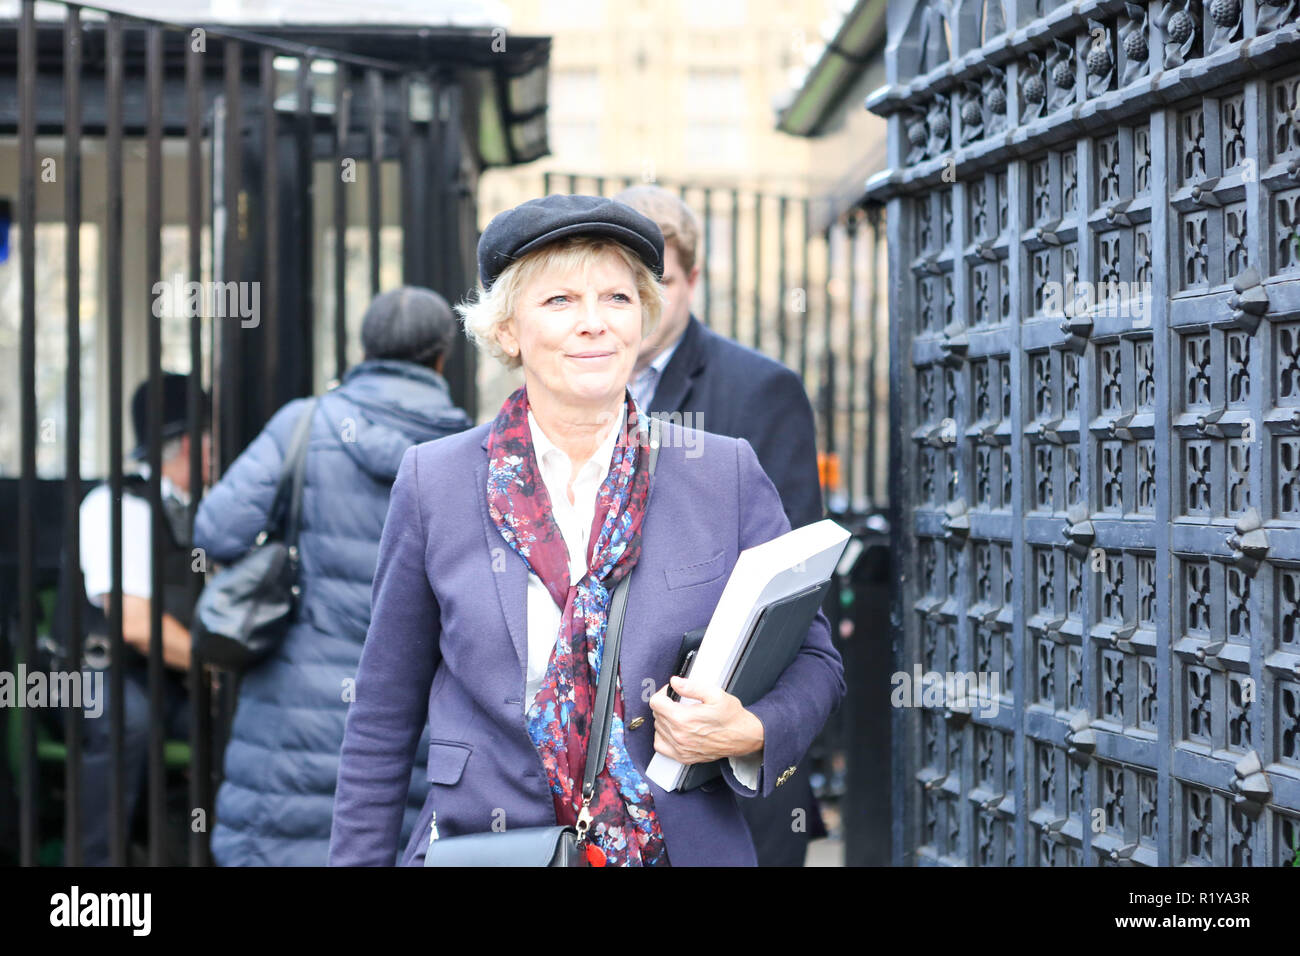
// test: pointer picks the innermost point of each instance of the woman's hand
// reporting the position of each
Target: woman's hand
(718, 726)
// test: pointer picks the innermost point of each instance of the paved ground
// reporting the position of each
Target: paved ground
(828, 851)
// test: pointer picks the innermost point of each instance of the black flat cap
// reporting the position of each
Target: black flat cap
(531, 225)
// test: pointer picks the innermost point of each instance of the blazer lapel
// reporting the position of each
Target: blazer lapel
(634, 658)
(681, 371)
(509, 574)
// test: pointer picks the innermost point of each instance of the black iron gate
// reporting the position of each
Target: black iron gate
(1095, 292)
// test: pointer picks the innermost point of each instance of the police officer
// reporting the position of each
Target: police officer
(177, 485)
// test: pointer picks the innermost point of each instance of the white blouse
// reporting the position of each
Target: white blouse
(574, 520)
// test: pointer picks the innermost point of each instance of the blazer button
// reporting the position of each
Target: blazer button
(635, 722)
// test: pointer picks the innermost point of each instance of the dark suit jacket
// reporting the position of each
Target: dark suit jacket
(732, 390)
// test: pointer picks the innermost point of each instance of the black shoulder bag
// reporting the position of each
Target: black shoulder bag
(558, 845)
(245, 611)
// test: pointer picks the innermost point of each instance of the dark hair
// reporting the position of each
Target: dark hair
(411, 324)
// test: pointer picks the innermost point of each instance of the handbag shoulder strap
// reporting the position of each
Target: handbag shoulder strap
(303, 440)
(603, 712)
(288, 491)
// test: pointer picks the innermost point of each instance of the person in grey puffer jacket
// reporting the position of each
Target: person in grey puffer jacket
(276, 802)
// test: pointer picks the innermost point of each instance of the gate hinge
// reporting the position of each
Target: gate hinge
(957, 521)
(1210, 653)
(1248, 303)
(1121, 638)
(1117, 215)
(944, 433)
(1207, 423)
(1052, 631)
(1203, 193)
(1123, 852)
(1079, 530)
(957, 713)
(954, 343)
(934, 783)
(1078, 328)
(1248, 542)
(1047, 431)
(1118, 427)
(1250, 784)
(1080, 739)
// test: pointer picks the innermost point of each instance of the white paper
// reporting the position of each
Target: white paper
(763, 574)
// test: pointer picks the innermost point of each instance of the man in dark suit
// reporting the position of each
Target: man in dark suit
(720, 386)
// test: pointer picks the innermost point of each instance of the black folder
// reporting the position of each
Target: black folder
(773, 643)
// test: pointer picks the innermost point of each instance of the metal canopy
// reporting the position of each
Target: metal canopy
(461, 40)
(405, 13)
(858, 38)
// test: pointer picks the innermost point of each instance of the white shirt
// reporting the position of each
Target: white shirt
(646, 381)
(137, 549)
(574, 520)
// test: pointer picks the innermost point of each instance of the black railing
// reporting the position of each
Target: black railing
(761, 288)
(250, 149)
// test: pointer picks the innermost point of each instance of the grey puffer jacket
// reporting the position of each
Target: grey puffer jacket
(275, 805)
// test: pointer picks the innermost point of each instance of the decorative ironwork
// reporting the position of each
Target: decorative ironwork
(1178, 23)
(1134, 48)
(1033, 87)
(1103, 482)
(1100, 58)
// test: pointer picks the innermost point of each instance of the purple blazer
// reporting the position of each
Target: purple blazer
(448, 644)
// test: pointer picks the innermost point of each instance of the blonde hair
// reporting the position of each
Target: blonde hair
(676, 220)
(485, 312)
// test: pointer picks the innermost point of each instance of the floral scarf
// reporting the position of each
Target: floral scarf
(624, 828)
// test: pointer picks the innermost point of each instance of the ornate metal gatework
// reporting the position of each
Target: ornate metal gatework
(1094, 243)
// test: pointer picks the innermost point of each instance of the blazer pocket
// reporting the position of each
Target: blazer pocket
(447, 761)
(692, 574)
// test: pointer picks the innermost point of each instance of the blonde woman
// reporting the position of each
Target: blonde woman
(498, 558)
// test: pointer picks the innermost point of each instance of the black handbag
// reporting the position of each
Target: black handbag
(556, 845)
(244, 612)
